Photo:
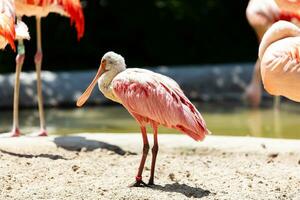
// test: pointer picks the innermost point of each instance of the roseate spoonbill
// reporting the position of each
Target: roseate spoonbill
(150, 98)
(279, 53)
(39, 9)
(261, 14)
(9, 31)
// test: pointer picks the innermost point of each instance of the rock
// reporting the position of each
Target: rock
(226, 82)
(75, 168)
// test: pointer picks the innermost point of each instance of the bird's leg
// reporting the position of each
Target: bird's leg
(38, 64)
(19, 64)
(138, 179)
(277, 102)
(154, 155)
(253, 91)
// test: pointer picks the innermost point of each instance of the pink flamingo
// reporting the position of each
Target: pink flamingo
(39, 9)
(150, 98)
(261, 14)
(9, 31)
(279, 53)
(289, 5)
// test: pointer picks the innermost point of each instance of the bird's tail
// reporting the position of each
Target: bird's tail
(7, 30)
(198, 136)
(75, 11)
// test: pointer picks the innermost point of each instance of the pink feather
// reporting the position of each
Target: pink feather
(158, 100)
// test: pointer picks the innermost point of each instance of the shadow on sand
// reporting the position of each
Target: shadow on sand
(50, 156)
(184, 189)
(77, 143)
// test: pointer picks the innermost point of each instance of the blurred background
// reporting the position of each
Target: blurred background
(147, 33)
(207, 46)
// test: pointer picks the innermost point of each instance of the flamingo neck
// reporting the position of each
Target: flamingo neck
(105, 83)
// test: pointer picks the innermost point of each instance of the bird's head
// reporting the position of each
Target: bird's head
(110, 62)
(113, 61)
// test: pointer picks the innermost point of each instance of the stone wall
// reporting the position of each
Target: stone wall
(206, 83)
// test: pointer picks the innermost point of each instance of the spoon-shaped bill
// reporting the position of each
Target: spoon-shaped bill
(84, 97)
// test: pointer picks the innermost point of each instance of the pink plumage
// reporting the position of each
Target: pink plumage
(7, 23)
(9, 29)
(41, 8)
(152, 99)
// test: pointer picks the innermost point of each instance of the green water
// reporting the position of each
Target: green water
(220, 119)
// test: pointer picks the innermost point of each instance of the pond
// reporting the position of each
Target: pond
(221, 120)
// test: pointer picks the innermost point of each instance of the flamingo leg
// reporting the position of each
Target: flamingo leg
(277, 103)
(38, 64)
(19, 64)
(138, 179)
(253, 91)
(154, 155)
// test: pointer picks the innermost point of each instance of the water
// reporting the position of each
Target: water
(221, 120)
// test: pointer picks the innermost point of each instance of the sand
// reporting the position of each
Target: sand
(101, 166)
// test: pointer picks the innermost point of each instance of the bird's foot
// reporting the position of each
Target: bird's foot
(151, 182)
(41, 133)
(15, 132)
(138, 183)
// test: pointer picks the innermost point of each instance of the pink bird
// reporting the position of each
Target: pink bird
(39, 9)
(150, 98)
(279, 53)
(9, 31)
(289, 5)
(261, 14)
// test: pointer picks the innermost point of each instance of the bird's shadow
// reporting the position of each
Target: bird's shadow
(184, 189)
(78, 143)
(49, 156)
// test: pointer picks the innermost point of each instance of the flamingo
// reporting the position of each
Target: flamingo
(150, 98)
(39, 9)
(9, 31)
(279, 52)
(261, 14)
(289, 5)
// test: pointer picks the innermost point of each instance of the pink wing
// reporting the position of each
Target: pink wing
(280, 60)
(156, 99)
(288, 16)
(289, 9)
(7, 21)
(72, 7)
(289, 5)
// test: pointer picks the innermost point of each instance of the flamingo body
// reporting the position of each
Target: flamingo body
(289, 5)
(41, 8)
(280, 60)
(156, 99)
(9, 31)
(261, 14)
(266, 12)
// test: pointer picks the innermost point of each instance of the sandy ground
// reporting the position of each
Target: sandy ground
(101, 166)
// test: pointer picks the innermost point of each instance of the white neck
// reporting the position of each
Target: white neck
(105, 86)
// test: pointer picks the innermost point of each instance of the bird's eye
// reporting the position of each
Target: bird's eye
(110, 62)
